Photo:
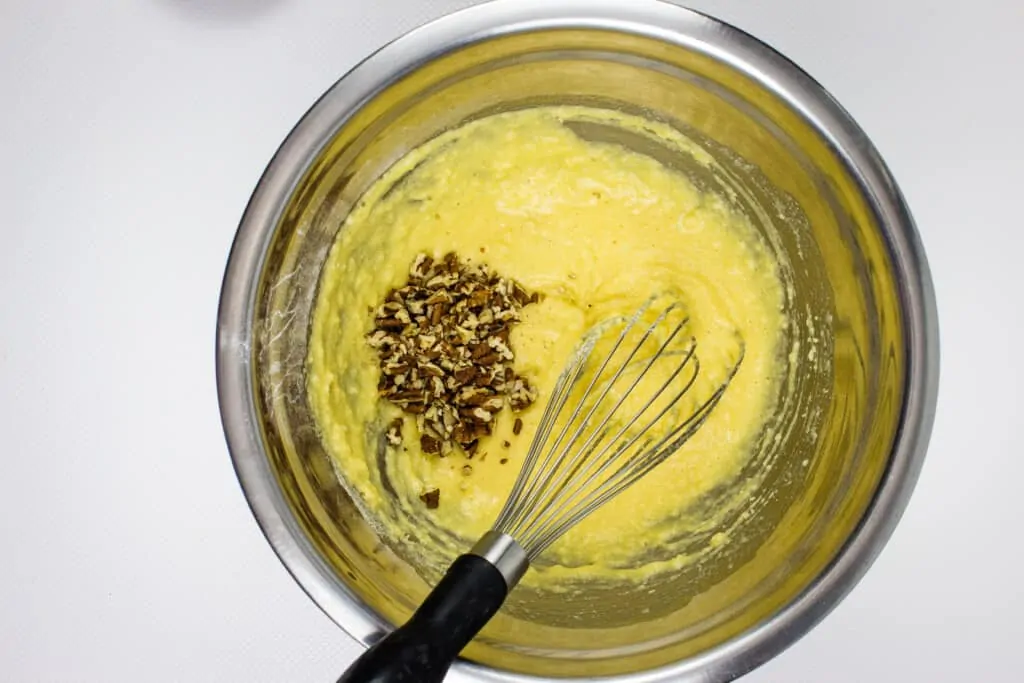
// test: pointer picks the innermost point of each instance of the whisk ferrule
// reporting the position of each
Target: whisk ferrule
(505, 553)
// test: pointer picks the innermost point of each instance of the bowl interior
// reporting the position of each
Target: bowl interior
(830, 438)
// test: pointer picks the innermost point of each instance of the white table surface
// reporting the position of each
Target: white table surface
(132, 133)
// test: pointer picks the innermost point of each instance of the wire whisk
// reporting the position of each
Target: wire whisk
(607, 426)
(632, 394)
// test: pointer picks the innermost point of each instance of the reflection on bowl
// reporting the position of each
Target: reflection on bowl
(850, 434)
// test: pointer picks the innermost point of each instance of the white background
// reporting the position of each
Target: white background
(131, 134)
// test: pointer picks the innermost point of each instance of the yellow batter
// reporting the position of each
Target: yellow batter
(597, 229)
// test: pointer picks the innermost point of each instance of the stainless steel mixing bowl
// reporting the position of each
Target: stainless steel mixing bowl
(853, 423)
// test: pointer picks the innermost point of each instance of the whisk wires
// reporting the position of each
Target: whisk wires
(610, 420)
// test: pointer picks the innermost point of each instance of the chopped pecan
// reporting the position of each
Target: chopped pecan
(443, 344)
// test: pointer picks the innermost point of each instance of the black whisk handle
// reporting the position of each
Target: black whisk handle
(424, 648)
